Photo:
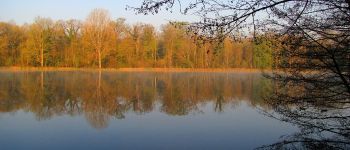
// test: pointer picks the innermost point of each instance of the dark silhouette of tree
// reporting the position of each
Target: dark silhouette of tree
(323, 124)
(313, 35)
(311, 59)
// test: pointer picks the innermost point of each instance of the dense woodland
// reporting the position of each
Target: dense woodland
(100, 41)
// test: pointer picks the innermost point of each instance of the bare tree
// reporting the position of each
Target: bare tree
(311, 61)
(313, 35)
(72, 30)
(97, 31)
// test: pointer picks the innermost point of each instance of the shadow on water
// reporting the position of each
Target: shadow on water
(322, 116)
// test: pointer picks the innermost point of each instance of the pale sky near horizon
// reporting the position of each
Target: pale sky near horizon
(24, 11)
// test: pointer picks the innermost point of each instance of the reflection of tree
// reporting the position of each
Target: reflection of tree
(219, 91)
(175, 103)
(219, 103)
(96, 112)
(100, 96)
(312, 61)
(324, 122)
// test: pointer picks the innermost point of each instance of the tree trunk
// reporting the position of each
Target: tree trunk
(155, 53)
(99, 59)
(42, 55)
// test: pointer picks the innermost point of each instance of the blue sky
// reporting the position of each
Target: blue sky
(24, 11)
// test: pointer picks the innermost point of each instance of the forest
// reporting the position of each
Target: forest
(102, 42)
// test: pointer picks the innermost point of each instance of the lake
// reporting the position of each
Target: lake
(136, 110)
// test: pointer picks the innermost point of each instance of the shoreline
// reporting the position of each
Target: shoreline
(247, 70)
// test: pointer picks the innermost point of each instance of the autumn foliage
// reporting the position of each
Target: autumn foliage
(101, 42)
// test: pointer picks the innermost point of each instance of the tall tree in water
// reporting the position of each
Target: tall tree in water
(97, 32)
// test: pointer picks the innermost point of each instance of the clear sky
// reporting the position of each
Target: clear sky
(24, 11)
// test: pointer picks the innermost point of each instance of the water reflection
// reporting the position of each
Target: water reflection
(323, 118)
(323, 122)
(100, 96)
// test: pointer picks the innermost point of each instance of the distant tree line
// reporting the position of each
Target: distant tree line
(102, 42)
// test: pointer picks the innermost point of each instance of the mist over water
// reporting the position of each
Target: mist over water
(135, 110)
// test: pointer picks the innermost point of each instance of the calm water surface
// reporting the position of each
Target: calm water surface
(135, 110)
